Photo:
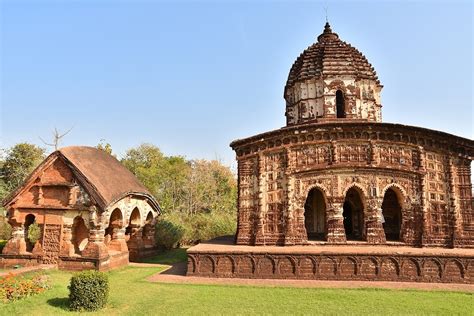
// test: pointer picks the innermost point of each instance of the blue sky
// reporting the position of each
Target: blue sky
(190, 77)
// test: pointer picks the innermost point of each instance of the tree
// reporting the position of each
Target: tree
(211, 187)
(164, 177)
(20, 161)
(199, 195)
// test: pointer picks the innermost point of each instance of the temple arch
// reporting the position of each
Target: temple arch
(115, 223)
(134, 222)
(315, 214)
(149, 231)
(80, 234)
(392, 213)
(29, 220)
(353, 214)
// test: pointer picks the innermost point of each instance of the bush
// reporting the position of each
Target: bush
(5, 230)
(13, 288)
(203, 226)
(34, 233)
(168, 234)
(2, 244)
(88, 291)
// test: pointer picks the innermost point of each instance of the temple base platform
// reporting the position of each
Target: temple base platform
(319, 261)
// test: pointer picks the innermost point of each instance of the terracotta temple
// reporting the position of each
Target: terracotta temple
(346, 195)
(93, 213)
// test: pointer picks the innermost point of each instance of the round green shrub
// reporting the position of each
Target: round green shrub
(167, 234)
(2, 244)
(88, 291)
(34, 233)
(5, 230)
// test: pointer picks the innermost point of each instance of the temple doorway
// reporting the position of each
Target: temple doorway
(340, 104)
(315, 215)
(392, 214)
(353, 214)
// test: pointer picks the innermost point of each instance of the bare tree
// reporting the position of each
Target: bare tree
(57, 136)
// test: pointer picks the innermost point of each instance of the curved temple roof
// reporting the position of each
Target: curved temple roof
(330, 56)
(101, 174)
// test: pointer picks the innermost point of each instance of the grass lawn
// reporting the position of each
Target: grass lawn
(131, 294)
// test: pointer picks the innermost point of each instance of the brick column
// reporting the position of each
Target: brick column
(135, 243)
(67, 248)
(118, 243)
(259, 235)
(96, 247)
(290, 227)
(16, 244)
(335, 224)
(374, 228)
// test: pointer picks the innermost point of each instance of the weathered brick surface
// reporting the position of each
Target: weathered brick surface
(396, 267)
(337, 173)
(77, 233)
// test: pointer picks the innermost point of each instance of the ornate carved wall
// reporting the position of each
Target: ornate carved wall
(428, 171)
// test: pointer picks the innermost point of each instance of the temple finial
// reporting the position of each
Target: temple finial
(326, 10)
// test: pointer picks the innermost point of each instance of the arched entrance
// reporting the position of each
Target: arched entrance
(133, 223)
(114, 237)
(148, 231)
(315, 215)
(392, 214)
(133, 235)
(353, 214)
(80, 234)
(29, 219)
(340, 104)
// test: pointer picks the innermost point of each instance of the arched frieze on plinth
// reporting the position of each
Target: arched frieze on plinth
(432, 269)
(410, 269)
(191, 263)
(307, 267)
(287, 266)
(225, 265)
(454, 270)
(207, 264)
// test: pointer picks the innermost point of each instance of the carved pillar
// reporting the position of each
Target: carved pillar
(292, 215)
(148, 235)
(259, 218)
(246, 203)
(259, 235)
(453, 204)
(96, 247)
(374, 228)
(335, 223)
(425, 228)
(118, 243)
(135, 244)
(67, 247)
(16, 245)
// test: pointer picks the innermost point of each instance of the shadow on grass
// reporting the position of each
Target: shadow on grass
(60, 302)
(168, 257)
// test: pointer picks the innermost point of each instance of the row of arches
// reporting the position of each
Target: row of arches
(79, 233)
(353, 214)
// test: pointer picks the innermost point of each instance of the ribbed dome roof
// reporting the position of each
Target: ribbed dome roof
(330, 57)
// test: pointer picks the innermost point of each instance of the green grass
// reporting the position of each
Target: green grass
(132, 294)
(169, 257)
